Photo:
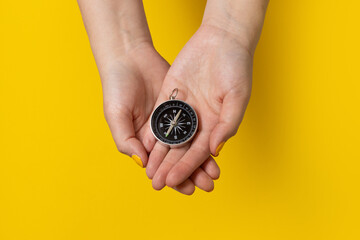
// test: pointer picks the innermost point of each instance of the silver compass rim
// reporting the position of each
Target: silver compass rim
(174, 145)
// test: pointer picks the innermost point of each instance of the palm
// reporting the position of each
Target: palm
(213, 74)
(131, 89)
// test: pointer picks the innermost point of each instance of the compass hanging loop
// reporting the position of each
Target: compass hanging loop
(173, 94)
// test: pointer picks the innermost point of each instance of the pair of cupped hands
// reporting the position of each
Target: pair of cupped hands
(213, 73)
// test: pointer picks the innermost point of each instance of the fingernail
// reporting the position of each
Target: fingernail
(137, 159)
(218, 149)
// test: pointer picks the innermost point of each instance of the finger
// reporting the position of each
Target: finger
(186, 187)
(149, 140)
(146, 137)
(173, 156)
(156, 157)
(193, 158)
(211, 168)
(202, 180)
(232, 113)
(122, 129)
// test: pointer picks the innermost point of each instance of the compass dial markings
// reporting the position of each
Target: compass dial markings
(174, 122)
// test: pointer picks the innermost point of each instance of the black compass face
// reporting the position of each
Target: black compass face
(174, 122)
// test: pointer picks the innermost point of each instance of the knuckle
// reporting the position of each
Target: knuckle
(201, 150)
(187, 168)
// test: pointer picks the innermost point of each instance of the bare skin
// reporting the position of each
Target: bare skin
(132, 73)
(213, 74)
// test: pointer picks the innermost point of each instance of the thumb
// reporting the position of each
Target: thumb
(122, 129)
(231, 115)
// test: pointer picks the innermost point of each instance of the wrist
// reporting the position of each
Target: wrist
(122, 39)
(124, 60)
(115, 28)
(243, 19)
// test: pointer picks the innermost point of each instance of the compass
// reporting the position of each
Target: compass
(174, 122)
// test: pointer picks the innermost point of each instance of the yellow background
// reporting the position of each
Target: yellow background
(292, 171)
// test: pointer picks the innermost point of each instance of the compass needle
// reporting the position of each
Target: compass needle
(174, 122)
